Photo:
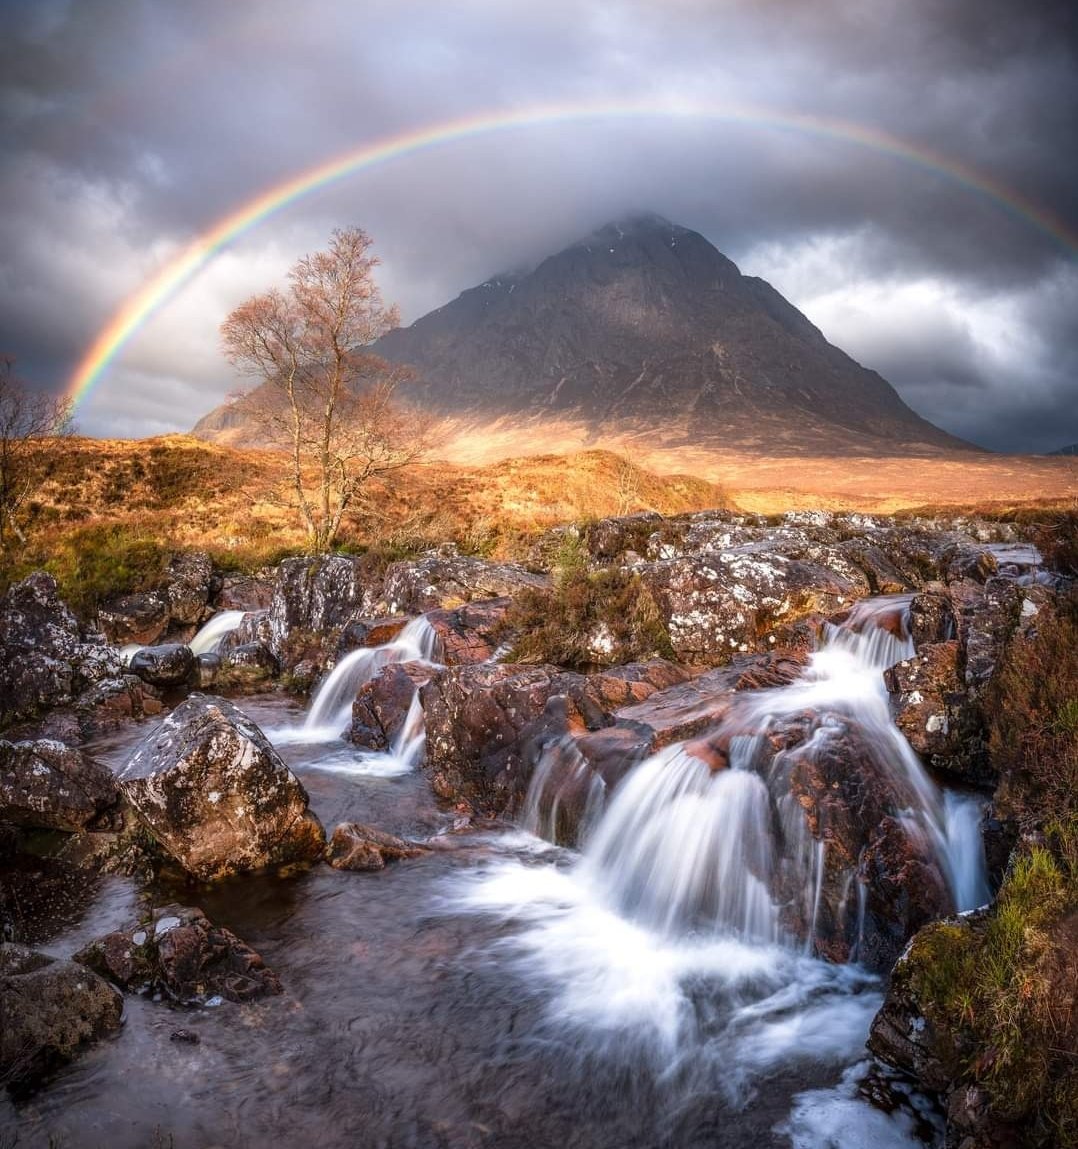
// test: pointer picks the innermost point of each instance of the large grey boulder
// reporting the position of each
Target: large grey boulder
(215, 794)
(48, 785)
(50, 1011)
(313, 598)
(39, 638)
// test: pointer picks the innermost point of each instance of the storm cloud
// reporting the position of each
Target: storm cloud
(131, 127)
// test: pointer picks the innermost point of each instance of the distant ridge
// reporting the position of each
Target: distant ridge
(643, 332)
(1069, 450)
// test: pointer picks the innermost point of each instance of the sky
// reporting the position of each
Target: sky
(130, 128)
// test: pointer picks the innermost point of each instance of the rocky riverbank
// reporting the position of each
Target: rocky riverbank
(548, 682)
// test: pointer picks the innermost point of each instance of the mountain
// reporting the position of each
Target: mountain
(643, 332)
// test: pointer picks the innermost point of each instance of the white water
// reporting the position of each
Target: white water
(664, 938)
(330, 712)
(209, 637)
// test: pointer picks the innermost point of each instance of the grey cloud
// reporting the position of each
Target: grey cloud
(133, 125)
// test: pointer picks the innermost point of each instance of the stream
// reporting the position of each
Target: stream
(634, 992)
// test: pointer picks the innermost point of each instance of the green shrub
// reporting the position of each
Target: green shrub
(1000, 993)
(562, 625)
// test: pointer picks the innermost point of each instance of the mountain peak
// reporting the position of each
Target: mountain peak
(645, 329)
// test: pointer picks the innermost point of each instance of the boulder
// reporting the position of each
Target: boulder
(189, 584)
(178, 953)
(480, 720)
(51, 1011)
(719, 604)
(48, 785)
(169, 665)
(382, 704)
(245, 592)
(358, 847)
(247, 666)
(113, 702)
(313, 599)
(447, 580)
(135, 618)
(39, 639)
(215, 794)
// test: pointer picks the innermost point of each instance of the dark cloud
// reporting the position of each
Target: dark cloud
(130, 127)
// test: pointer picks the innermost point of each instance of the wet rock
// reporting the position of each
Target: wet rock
(255, 626)
(382, 704)
(49, 785)
(480, 720)
(769, 671)
(358, 847)
(114, 702)
(171, 664)
(215, 794)
(683, 710)
(843, 792)
(367, 632)
(51, 1010)
(903, 1035)
(471, 633)
(313, 599)
(247, 666)
(932, 617)
(935, 710)
(135, 618)
(634, 682)
(447, 580)
(178, 953)
(245, 592)
(189, 584)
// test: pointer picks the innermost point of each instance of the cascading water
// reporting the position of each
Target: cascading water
(331, 707)
(671, 933)
(209, 637)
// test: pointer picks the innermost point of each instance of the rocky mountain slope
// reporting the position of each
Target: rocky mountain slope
(643, 329)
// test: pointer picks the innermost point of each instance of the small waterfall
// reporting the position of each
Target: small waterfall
(565, 796)
(407, 748)
(967, 870)
(682, 849)
(331, 707)
(209, 637)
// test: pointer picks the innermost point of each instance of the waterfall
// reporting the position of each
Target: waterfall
(209, 637)
(565, 796)
(683, 848)
(331, 708)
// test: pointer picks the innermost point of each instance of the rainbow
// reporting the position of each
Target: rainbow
(181, 268)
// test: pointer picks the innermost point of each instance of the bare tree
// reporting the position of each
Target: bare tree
(324, 396)
(28, 422)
